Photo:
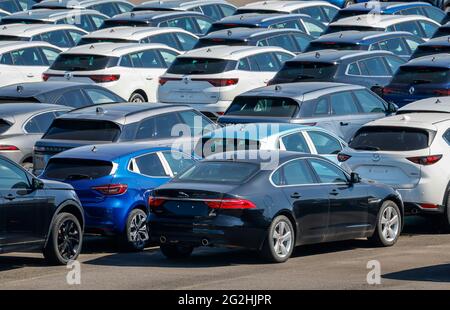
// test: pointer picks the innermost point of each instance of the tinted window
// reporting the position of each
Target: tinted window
(12, 176)
(295, 172)
(184, 65)
(178, 162)
(164, 38)
(425, 50)
(339, 28)
(196, 122)
(428, 28)
(393, 63)
(353, 69)
(446, 136)
(168, 57)
(58, 38)
(146, 59)
(183, 23)
(315, 29)
(4, 126)
(9, 6)
(324, 143)
(158, 127)
(295, 71)
(80, 62)
(75, 36)
(27, 57)
(413, 44)
(150, 165)
(212, 146)
(283, 41)
(73, 98)
(187, 41)
(76, 169)
(411, 27)
(282, 57)
(97, 20)
(260, 106)
(83, 130)
(40, 123)
(295, 142)
(369, 102)
(219, 172)
(50, 54)
(373, 67)
(320, 107)
(395, 46)
(244, 65)
(203, 24)
(124, 7)
(343, 104)
(390, 139)
(108, 9)
(6, 59)
(227, 10)
(315, 12)
(211, 11)
(421, 75)
(327, 172)
(317, 46)
(265, 62)
(98, 96)
(290, 24)
(434, 13)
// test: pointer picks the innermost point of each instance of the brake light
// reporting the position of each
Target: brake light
(8, 148)
(231, 203)
(163, 80)
(442, 92)
(343, 157)
(45, 77)
(388, 90)
(155, 202)
(428, 206)
(220, 82)
(425, 160)
(103, 78)
(111, 189)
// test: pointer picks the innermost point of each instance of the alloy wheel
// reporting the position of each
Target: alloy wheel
(282, 239)
(390, 224)
(69, 238)
(138, 233)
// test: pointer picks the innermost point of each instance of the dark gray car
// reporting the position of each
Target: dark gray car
(21, 125)
(110, 123)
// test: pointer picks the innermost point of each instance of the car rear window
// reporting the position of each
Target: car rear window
(21, 21)
(76, 169)
(442, 32)
(82, 62)
(424, 50)
(212, 146)
(188, 65)
(218, 41)
(222, 26)
(348, 13)
(4, 126)
(219, 172)
(84, 130)
(85, 41)
(263, 106)
(118, 23)
(338, 28)
(382, 138)
(257, 11)
(316, 46)
(297, 71)
(421, 75)
(13, 38)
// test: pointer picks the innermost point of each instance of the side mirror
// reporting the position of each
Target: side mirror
(37, 184)
(354, 178)
(392, 108)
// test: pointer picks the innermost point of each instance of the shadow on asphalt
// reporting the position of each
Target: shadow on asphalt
(17, 262)
(437, 273)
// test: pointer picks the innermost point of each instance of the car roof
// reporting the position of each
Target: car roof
(413, 120)
(132, 33)
(382, 21)
(111, 151)
(152, 15)
(29, 30)
(242, 33)
(71, 3)
(384, 6)
(356, 36)
(254, 18)
(114, 49)
(32, 89)
(437, 104)
(259, 157)
(12, 112)
(437, 60)
(445, 40)
(7, 46)
(177, 4)
(284, 6)
(51, 15)
(230, 52)
(332, 56)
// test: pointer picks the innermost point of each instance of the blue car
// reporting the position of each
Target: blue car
(301, 22)
(345, 3)
(420, 78)
(400, 43)
(393, 8)
(113, 183)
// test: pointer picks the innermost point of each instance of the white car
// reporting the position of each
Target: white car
(411, 153)
(176, 38)
(22, 62)
(63, 36)
(319, 10)
(420, 26)
(209, 78)
(107, 7)
(434, 104)
(131, 70)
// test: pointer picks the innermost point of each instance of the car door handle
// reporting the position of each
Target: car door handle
(9, 197)
(296, 195)
(344, 124)
(334, 192)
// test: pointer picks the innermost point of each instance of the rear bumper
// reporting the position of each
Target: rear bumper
(412, 208)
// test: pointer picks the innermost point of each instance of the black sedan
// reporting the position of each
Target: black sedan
(36, 214)
(245, 200)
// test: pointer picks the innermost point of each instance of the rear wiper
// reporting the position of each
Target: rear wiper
(196, 72)
(367, 148)
(78, 177)
(304, 76)
(421, 81)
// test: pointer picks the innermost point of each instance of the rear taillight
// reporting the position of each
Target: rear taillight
(219, 82)
(155, 202)
(8, 148)
(425, 160)
(111, 189)
(163, 80)
(103, 78)
(442, 92)
(343, 157)
(389, 90)
(231, 203)
(428, 206)
(45, 77)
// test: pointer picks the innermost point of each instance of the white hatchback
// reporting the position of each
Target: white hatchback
(209, 78)
(131, 70)
(411, 153)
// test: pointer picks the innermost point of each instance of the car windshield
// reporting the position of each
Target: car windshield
(263, 106)
(421, 75)
(85, 130)
(4, 126)
(83, 62)
(218, 41)
(424, 50)
(188, 65)
(219, 172)
(85, 41)
(373, 138)
(339, 28)
(316, 46)
(70, 169)
(299, 71)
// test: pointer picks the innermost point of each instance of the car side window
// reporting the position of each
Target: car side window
(39, 123)
(282, 57)
(330, 12)
(106, 8)
(393, 63)
(168, 56)
(82, 21)
(12, 177)
(411, 27)
(394, 45)
(428, 28)
(289, 24)
(203, 24)
(315, 12)
(6, 59)
(373, 67)
(125, 61)
(283, 41)
(353, 69)
(99, 96)
(97, 20)
(185, 23)
(412, 43)
(49, 54)
(324, 143)
(157, 127)
(27, 57)
(227, 10)
(197, 122)
(265, 62)
(187, 41)
(164, 38)
(124, 7)
(295, 172)
(301, 40)
(244, 65)
(146, 59)
(178, 162)
(72, 98)
(149, 165)
(343, 104)
(212, 11)
(321, 107)
(314, 28)
(295, 142)
(327, 172)
(369, 102)
(75, 35)
(434, 13)
(58, 38)
(446, 136)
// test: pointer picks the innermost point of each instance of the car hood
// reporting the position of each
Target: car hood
(50, 184)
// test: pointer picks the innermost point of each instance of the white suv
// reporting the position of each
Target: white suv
(209, 78)
(131, 70)
(409, 152)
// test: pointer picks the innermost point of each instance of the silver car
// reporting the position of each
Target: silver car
(21, 125)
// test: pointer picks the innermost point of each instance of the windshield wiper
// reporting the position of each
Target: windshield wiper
(366, 148)
(78, 177)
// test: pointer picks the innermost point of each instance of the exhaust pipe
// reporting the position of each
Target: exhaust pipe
(162, 239)
(205, 242)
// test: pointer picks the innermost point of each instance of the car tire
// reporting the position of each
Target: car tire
(136, 235)
(176, 251)
(388, 225)
(280, 240)
(65, 239)
(137, 98)
(445, 218)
